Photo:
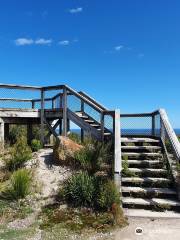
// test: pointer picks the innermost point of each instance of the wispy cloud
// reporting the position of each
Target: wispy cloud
(30, 41)
(24, 41)
(42, 41)
(76, 10)
(118, 48)
(64, 42)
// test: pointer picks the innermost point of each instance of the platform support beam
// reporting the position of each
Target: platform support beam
(29, 134)
(42, 117)
(1, 131)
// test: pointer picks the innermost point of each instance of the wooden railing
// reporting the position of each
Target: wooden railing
(159, 124)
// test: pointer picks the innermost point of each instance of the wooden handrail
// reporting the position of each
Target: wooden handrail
(94, 106)
(16, 99)
(170, 132)
(22, 87)
(92, 100)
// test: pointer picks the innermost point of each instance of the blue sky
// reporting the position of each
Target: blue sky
(125, 53)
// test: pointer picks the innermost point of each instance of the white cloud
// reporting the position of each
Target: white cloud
(24, 41)
(76, 10)
(42, 41)
(64, 42)
(118, 48)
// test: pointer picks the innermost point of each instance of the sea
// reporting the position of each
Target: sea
(134, 131)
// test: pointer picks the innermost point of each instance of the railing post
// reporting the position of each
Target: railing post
(102, 126)
(117, 149)
(82, 131)
(33, 104)
(61, 101)
(42, 116)
(53, 103)
(64, 111)
(153, 125)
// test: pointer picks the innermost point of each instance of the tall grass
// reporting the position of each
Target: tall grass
(20, 183)
(19, 154)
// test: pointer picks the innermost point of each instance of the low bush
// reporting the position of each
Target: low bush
(20, 183)
(89, 191)
(93, 155)
(19, 154)
(75, 137)
(79, 190)
(35, 145)
(16, 132)
(107, 195)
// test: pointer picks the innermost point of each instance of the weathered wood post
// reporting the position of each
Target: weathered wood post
(6, 131)
(64, 111)
(153, 125)
(29, 133)
(2, 132)
(117, 149)
(102, 126)
(33, 104)
(42, 116)
(82, 110)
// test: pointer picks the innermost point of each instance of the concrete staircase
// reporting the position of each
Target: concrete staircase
(146, 181)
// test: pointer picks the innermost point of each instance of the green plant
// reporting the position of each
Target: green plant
(35, 145)
(75, 137)
(79, 189)
(107, 195)
(20, 183)
(125, 169)
(93, 155)
(15, 132)
(19, 154)
(178, 167)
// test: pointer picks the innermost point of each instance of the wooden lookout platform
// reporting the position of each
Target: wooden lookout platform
(146, 141)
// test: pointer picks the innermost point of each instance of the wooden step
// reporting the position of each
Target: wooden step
(148, 170)
(139, 140)
(82, 115)
(148, 190)
(150, 202)
(141, 180)
(140, 148)
(140, 162)
(144, 154)
(89, 121)
(95, 125)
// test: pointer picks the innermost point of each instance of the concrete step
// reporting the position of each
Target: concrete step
(148, 190)
(144, 154)
(149, 148)
(150, 202)
(139, 162)
(150, 181)
(139, 140)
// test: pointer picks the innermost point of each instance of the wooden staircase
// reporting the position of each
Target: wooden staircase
(146, 181)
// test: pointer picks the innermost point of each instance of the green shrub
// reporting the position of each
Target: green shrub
(35, 145)
(20, 183)
(107, 195)
(93, 155)
(19, 154)
(15, 132)
(75, 137)
(79, 189)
